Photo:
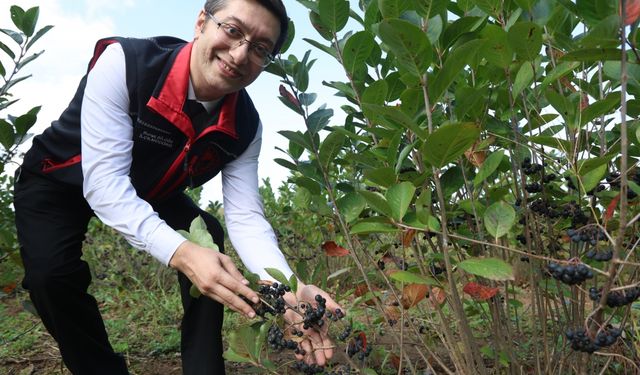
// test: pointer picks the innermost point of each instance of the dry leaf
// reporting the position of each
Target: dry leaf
(412, 294)
(437, 296)
(407, 237)
(479, 292)
(332, 249)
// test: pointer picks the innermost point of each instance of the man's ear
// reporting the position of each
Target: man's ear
(200, 22)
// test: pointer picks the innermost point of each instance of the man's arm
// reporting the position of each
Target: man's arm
(250, 233)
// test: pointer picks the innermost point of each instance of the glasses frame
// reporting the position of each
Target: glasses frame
(268, 59)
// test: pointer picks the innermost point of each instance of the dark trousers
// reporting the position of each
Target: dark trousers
(51, 221)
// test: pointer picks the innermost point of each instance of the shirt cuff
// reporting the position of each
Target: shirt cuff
(165, 242)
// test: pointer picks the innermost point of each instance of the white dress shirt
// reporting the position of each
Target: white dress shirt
(107, 142)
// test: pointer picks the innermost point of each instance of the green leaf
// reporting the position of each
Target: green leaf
(457, 59)
(296, 137)
(287, 164)
(523, 79)
(392, 117)
(384, 176)
(408, 43)
(24, 123)
(232, 356)
(392, 8)
(593, 55)
(423, 206)
(16, 36)
(412, 278)
(399, 198)
(375, 93)
(592, 178)
(499, 218)
(28, 59)
(330, 148)
(559, 71)
(430, 8)
(458, 28)
(351, 206)
(277, 275)
(356, 51)
(497, 49)
(368, 227)
(308, 183)
(334, 14)
(29, 21)
(449, 142)
(491, 7)
(293, 283)
(604, 34)
(17, 15)
(377, 201)
(7, 135)
(38, 35)
(557, 143)
(525, 39)
(600, 108)
(489, 268)
(8, 51)
(318, 120)
(489, 166)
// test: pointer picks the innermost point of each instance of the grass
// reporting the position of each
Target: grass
(138, 298)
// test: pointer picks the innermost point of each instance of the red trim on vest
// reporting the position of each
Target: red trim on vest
(49, 165)
(227, 118)
(97, 51)
(173, 94)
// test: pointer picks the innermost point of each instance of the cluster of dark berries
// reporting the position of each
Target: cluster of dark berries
(308, 369)
(358, 345)
(616, 298)
(548, 178)
(345, 334)
(313, 316)
(570, 274)
(275, 338)
(435, 269)
(572, 210)
(529, 168)
(272, 301)
(600, 256)
(589, 234)
(543, 207)
(580, 340)
(533, 187)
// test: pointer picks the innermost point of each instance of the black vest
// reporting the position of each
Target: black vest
(168, 154)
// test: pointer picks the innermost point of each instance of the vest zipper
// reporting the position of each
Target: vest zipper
(186, 149)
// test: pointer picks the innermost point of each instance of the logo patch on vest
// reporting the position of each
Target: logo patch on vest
(153, 134)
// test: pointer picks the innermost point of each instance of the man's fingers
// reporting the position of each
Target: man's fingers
(227, 297)
(230, 267)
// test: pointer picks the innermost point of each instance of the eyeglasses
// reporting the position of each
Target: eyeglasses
(233, 37)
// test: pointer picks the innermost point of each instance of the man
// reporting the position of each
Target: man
(125, 149)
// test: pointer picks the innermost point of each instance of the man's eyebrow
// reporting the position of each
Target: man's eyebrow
(238, 21)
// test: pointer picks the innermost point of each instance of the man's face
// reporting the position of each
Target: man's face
(217, 69)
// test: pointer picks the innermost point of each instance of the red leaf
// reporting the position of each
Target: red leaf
(632, 11)
(395, 361)
(407, 237)
(479, 292)
(611, 208)
(9, 288)
(332, 249)
(363, 337)
(289, 96)
(412, 294)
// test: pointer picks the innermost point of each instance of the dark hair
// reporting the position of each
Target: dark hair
(276, 7)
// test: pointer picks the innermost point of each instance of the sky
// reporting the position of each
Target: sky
(78, 24)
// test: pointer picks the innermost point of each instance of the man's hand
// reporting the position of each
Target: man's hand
(215, 275)
(316, 343)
